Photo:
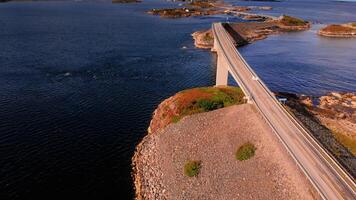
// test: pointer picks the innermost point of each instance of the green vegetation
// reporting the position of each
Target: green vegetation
(208, 37)
(216, 98)
(292, 21)
(175, 119)
(191, 168)
(245, 152)
(206, 99)
(346, 141)
(209, 104)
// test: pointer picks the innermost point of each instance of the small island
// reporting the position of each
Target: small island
(203, 8)
(339, 30)
(248, 32)
(207, 143)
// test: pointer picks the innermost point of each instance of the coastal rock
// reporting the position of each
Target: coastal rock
(339, 30)
(203, 39)
(337, 111)
(332, 121)
(288, 23)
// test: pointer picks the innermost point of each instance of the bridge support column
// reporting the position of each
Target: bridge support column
(221, 71)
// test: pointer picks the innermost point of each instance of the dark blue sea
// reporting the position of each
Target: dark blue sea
(79, 82)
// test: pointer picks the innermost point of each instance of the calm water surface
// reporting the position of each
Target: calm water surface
(79, 81)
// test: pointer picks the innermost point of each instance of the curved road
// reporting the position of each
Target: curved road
(329, 179)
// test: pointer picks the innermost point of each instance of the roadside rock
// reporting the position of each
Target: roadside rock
(332, 121)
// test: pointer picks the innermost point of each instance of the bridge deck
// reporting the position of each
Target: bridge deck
(330, 180)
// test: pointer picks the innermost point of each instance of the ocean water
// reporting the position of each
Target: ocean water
(79, 82)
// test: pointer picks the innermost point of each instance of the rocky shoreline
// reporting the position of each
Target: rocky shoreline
(332, 121)
(339, 30)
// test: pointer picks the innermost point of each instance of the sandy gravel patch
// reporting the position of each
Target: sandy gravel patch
(213, 139)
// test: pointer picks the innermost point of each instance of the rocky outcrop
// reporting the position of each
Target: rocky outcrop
(288, 23)
(337, 111)
(331, 120)
(339, 30)
(203, 39)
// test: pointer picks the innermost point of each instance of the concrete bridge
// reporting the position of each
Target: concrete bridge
(324, 172)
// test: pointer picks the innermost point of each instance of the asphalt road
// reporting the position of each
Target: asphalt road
(329, 179)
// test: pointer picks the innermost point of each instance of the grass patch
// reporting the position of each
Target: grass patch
(208, 37)
(191, 168)
(347, 142)
(213, 98)
(245, 152)
(292, 21)
(175, 119)
(210, 104)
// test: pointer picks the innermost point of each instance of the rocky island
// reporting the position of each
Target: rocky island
(203, 8)
(248, 32)
(339, 30)
(204, 143)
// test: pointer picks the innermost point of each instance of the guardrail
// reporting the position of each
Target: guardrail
(334, 164)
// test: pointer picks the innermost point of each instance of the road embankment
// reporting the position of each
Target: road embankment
(332, 121)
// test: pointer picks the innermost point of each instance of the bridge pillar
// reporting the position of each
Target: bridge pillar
(221, 71)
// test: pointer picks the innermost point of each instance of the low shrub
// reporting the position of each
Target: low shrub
(245, 152)
(208, 37)
(191, 168)
(210, 104)
(292, 21)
